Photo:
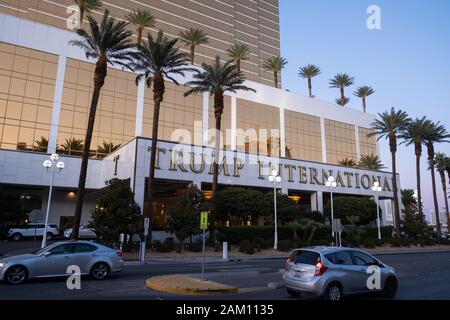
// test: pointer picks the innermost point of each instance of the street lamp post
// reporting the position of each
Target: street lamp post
(275, 179)
(331, 183)
(377, 189)
(52, 163)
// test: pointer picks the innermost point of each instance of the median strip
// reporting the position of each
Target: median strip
(182, 284)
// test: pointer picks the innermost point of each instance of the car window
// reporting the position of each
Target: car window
(307, 257)
(362, 259)
(30, 226)
(83, 247)
(61, 249)
(342, 257)
(54, 226)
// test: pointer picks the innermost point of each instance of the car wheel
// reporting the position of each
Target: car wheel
(333, 292)
(293, 293)
(16, 236)
(49, 236)
(100, 271)
(390, 287)
(16, 275)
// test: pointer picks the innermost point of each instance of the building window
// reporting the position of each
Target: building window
(27, 85)
(367, 145)
(116, 111)
(340, 140)
(303, 136)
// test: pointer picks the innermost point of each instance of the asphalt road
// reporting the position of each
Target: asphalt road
(421, 276)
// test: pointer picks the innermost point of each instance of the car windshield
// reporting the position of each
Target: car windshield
(40, 251)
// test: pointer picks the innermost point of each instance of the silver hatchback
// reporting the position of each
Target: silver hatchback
(53, 261)
(332, 273)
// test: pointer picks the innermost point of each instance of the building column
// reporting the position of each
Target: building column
(140, 109)
(205, 117)
(233, 122)
(324, 140)
(317, 201)
(282, 133)
(56, 109)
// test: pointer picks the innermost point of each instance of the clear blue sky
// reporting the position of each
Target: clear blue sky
(407, 62)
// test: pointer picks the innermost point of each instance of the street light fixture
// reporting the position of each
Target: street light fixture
(331, 183)
(275, 179)
(377, 189)
(52, 163)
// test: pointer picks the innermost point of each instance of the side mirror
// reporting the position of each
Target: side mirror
(46, 254)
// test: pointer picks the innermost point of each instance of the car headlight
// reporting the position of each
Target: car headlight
(2, 264)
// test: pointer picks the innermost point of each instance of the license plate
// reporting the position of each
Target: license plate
(299, 274)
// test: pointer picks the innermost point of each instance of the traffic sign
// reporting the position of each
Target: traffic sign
(203, 220)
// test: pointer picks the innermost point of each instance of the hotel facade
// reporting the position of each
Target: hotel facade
(46, 86)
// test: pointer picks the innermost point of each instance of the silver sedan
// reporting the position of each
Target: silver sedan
(332, 272)
(92, 259)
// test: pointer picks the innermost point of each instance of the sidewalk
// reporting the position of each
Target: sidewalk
(234, 254)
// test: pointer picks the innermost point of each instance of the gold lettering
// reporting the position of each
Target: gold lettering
(386, 186)
(290, 168)
(349, 176)
(261, 170)
(340, 180)
(238, 165)
(313, 177)
(326, 174)
(303, 174)
(365, 181)
(358, 182)
(222, 167)
(192, 163)
(158, 151)
(176, 160)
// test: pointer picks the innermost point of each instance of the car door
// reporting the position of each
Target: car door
(83, 256)
(362, 262)
(348, 273)
(55, 261)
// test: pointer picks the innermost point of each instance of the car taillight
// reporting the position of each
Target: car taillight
(286, 264)
(320, 269)
(119, 253)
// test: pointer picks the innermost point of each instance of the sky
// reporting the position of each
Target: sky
(407, 62)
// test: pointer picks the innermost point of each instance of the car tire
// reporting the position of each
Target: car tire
(333, 292)
(100, 271)
(16, 275)
(49, 236)
(16, 236)
(390, 287)
(292, 293)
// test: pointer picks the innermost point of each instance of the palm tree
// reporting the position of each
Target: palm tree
(342, 101)
(388, 126)
(447, 168)
(371, 162)
(341, 81)
(275, 65)
(141, 19)
(108, 43)
(193, 37)
(363, 92)
(435, 133)
(87, 6)
(107, 147)
(347, 162)
(41, 145)
(238, 52)
(441, 162)
(73, 146)
(414, 133)
(309, 72)
(217, 79)
(158, 60)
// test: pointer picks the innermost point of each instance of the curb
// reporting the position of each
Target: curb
(194, 286)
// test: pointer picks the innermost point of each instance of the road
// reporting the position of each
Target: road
(421, 276)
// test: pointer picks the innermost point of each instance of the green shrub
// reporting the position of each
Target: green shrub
(285, 245)
(260, 243)
(247, 247)
(369, 243)
(163, 247)
(372, 232)
(194, 247)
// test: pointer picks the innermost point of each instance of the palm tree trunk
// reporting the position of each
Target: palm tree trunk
(238, 65)
(81, 15)
(99, 81)
(430, 147)
(275, 78)
(192, 53)
(418, 151)
(342, 93)
(158, 95)
(393, 149)
(218, 109)
(444, 189)
(310, 87)
(364, 104)
(139, 36)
